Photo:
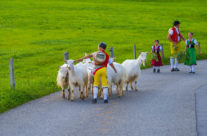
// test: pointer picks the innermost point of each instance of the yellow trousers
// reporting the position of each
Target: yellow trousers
(175, 49)
(100, 74)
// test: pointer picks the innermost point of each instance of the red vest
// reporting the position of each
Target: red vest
(156, 50)
(106, 61)
(175, 35)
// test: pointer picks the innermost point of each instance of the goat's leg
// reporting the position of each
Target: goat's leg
(91, 90)
(117, 90)
(127, 83)
(101, 93)
(89, 86)
(85, 88)
(79, 88)
(63, 93)
(72, 96)
(121, 89)
(81, 93)
(110, 89)
(69, 94)
(131, 86)
(136, 89)
(87, 92)
(100, 90)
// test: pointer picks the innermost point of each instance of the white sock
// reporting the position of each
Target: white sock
(172, 62)
(105, 93)
(176, 63)
(158, 67)
(95, 92)
(193, 68)
(154, 67)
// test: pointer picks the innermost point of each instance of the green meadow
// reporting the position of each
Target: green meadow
(36, 33)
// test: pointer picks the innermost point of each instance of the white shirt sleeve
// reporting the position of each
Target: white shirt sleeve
(186, 42)
(110, 60)
(195, 41)
(160, 48)
(171, 32)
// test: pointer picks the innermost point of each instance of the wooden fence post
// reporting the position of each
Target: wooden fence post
(11, 73)
(112, 52)
(135, 57)
(66, 56)
(161, 45)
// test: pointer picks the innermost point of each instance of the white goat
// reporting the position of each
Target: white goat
(116, 78)
(62, 78)
(90, 67)
(133, 71)
(78, 76)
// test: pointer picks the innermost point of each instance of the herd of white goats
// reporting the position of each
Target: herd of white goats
(80, 77)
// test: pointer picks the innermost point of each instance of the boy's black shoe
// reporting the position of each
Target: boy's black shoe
(158, 71)
(176, 69)
(154, 70)
(193, 72)
(190, 72)
(94, 101)
(172, 69)
(106, 101)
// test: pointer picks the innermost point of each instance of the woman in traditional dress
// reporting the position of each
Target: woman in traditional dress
(190, 59)
(156, 61)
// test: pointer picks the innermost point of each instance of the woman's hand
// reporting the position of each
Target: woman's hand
(174, 43)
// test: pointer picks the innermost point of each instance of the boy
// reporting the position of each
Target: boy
(174, 36)
(100, 72)
(190, 52)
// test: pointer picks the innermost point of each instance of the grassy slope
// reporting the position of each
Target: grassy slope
(37, 32)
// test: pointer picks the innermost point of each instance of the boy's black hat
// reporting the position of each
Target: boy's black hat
(102, 45)
(176, 22)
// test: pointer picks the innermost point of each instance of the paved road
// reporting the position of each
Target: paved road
(165, 105)
(201, 110)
